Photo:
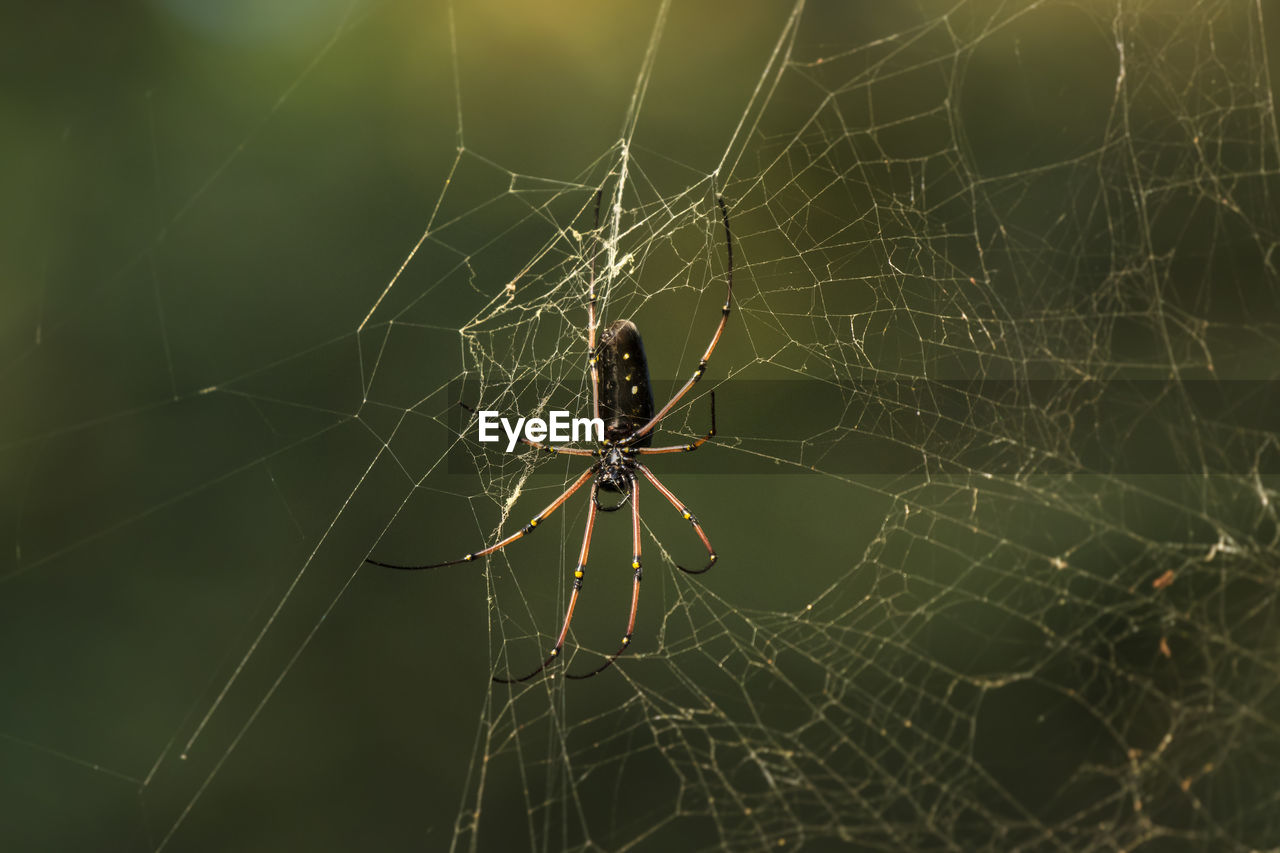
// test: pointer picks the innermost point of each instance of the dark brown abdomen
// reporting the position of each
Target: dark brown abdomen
(626, 400)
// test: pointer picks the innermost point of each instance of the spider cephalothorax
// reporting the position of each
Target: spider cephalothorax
(616, 472)
(623, 399)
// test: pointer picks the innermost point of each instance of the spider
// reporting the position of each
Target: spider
(620, 396)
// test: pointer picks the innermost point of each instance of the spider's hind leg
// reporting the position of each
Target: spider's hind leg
(522, 532)
(687, 516)
(635, 585)
(579, 573)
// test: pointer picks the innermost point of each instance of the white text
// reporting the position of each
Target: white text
(558, 429)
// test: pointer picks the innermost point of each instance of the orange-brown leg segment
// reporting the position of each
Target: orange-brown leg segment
(635, 584)
(687, 516)
(592, 358)
(527, 529)
(578, 574)
(685, 448)
(715, 339)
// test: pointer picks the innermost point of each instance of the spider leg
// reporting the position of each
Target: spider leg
(528, 528)
(687, 516)
(578, 574)
(564, 451)
(715, 339)
(685, 448)
(635, 585)
(592, 358)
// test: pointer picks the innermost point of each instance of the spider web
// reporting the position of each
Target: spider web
(993, 492)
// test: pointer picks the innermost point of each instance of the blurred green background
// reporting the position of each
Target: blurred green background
(203, 202)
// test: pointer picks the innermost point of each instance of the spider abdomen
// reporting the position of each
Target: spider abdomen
(626, 400)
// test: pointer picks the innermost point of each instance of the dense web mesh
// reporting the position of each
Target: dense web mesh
(994, 491)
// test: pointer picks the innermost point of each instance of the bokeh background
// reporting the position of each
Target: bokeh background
(229, 362)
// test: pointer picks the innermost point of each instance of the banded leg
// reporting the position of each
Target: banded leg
(528, 528)
(592, 358)
(578, 574)
(715, 339)
(685, 448)
(687, 516)
(635, 584)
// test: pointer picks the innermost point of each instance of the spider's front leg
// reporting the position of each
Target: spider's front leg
(649, 425)
(693, 445)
